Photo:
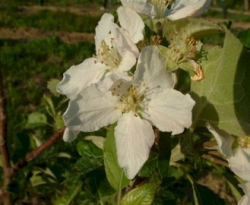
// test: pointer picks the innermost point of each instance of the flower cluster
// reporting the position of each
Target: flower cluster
(237, 151)
(130, 84)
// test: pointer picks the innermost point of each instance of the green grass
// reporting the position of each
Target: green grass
(50, 2)
(27, 66)
(48, 20)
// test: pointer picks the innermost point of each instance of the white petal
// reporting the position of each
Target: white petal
(110, 79)
(170, 111)
(151, 69)
(121, 87)
(245, 200)
(184, 8)
(127, 50)
(69, 135)
(127, 62)
(132, 22)
(134, 138)
(224, 140)
(239, 163)
(140, 6)
(78, 77)
(103, 29)
(238, 157)
(91, 110)
(123, 43)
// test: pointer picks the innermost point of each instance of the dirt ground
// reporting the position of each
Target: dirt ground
(73, 37)
(32, 33)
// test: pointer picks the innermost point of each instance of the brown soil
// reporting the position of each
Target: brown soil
(92, 9)
(32, 33)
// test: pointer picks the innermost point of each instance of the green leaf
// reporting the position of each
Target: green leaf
(49, 106)
(69, 196)
(114, 172)
(244, 37)
(88, 149)
(150, 166)
(141, 195)
(92, 158)
(203, 195)
(97, 140)
(170, 64)
(86, 165)
(52, 86)
(164, 152)
(195, 194)
(105, 189)
(187, 27)
(207, 196)
(223, 97)
(36, 119)
(59, 123)
(232, 183)
(158, 163)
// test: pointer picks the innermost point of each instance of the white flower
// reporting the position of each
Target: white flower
(115, 55)
(236, 150)
(245, 200)
(132, 22)
(171, 9)
(149, 100)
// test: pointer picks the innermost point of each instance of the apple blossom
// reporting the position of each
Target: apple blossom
(245, 200)
(149, 99)
(171, 9)
(115, 55)
(236, 150)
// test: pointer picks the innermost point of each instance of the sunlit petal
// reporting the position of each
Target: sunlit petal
(170, 111)
(132, 22)
(134, 138)
(69, 135)
(240, 162)
(80, 76)
(151, 69)
(91, 110)
(184, 8)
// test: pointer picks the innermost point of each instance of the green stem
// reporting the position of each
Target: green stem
(119, 195)
(196, 201)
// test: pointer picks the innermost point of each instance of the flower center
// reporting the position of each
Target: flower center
(130, 99)
(160, 7)
(182, 47)
(243, 142)
(108, 55)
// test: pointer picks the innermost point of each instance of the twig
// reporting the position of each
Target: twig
(4, 148)
(33, 154)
